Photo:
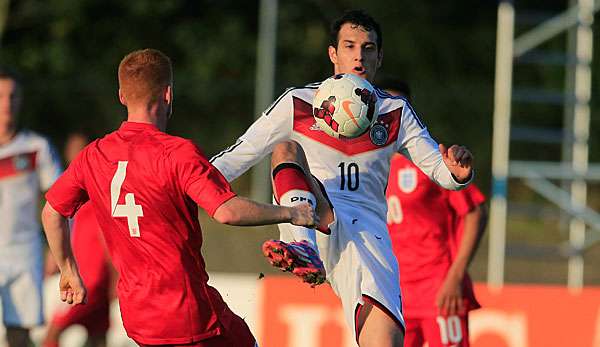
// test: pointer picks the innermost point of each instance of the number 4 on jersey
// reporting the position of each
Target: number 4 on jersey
(129, 210)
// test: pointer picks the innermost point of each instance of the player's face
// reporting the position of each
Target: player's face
(357, 52)
(10, 102)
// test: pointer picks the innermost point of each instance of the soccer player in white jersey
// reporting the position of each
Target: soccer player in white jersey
(347, 179)
(28, 165)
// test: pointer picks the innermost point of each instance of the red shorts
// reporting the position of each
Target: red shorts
(236, 334)
(438, 332)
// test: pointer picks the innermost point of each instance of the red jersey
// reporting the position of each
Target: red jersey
(145, 186)
(425, 222)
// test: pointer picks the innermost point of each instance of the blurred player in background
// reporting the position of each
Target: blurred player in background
(435, 233)
(145, 187)
(94, 266)
(28, 166)
(346, 178)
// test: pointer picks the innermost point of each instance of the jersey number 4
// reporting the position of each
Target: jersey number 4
(129, 210)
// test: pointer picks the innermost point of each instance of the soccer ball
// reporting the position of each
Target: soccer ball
(344, 106)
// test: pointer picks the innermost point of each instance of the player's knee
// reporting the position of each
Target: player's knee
(288, 151)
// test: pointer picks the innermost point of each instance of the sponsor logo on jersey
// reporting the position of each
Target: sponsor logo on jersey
(379, 134)
(407, 180)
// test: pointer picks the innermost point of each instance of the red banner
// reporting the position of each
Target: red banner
(526, 315)
(295, 315)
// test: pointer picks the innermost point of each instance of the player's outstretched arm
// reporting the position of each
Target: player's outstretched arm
(72, 290)
(459, 161)
(449, 296)
(245, 212)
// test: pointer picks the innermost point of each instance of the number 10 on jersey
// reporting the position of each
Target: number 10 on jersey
(129, 210)
(349, 177)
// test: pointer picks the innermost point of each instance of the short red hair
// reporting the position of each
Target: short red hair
(143, 75)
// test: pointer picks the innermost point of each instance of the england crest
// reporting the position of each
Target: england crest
(379, 134)
(407, 180)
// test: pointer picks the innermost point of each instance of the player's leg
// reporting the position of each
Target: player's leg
(97, 340)
(290, 152)
(52, 337)
(376, 326)
(447, 331)
(414, 333)
(22, 306)
(293, 184)
(17, 336)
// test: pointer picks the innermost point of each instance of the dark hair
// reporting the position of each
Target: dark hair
(389, 83)
(8, 73)
(359, 18)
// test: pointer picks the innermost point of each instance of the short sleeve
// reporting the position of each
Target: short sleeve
(199, 179)
(68, 193)
(49, 165)
(464, 201)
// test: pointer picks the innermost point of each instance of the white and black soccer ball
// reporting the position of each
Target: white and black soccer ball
(345, 106)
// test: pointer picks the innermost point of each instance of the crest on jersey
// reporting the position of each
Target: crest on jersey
(407, 180)
(22, 162)
(379, 134)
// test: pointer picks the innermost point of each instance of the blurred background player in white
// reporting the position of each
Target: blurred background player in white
(28, 166)
(435, 233)
(352, 174)
(95, 268)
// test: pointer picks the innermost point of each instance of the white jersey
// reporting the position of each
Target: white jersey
(28, 165)
(353, 171)
(357, 255)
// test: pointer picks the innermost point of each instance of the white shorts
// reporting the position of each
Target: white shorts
(359, 261)
(21, 287)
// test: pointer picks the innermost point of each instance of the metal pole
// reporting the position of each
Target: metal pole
(568, 110)
(264, 86)
(581, 130)
(548, 30)
(500, 144)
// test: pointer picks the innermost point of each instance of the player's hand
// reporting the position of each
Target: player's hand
(449, 297)
(304, 215)
(72, 290)
(459, 161)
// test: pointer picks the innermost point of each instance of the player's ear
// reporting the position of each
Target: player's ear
(379, 58)
(168, 96)
(332, 51)
(122, 98)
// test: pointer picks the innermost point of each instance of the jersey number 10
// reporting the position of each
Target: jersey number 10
(129, 210)
(349, 177)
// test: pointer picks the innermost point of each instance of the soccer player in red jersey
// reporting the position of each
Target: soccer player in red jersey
(145, 187)
(95, 268)
(435, 233)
